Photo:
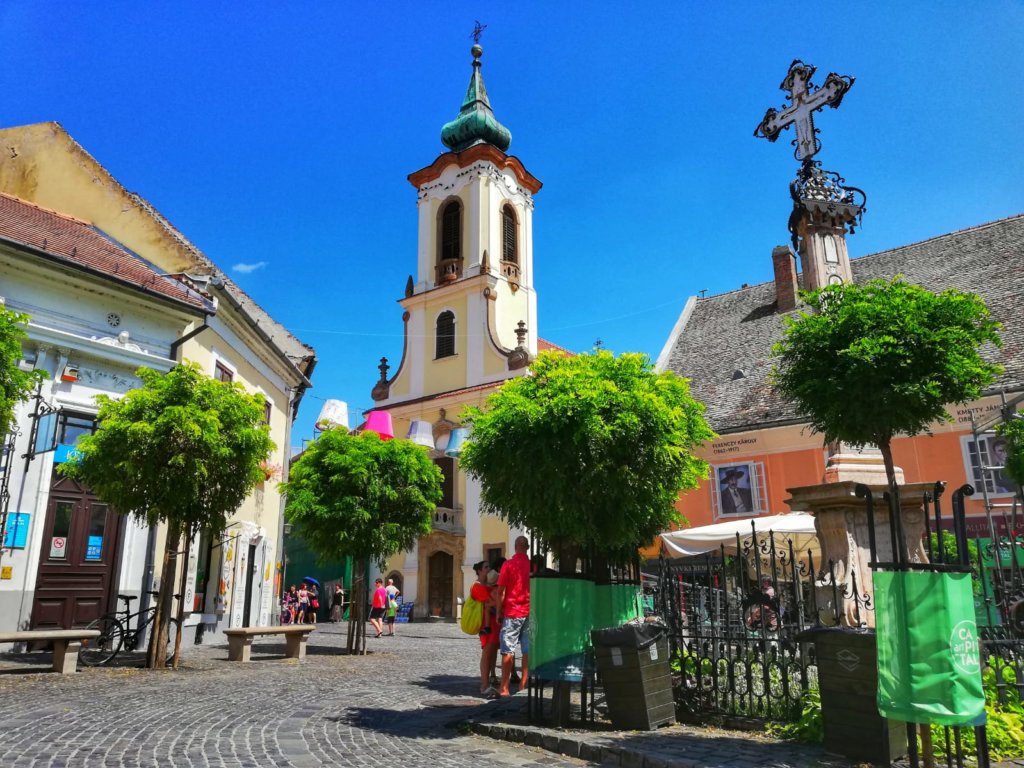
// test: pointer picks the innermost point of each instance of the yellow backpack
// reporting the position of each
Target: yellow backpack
(472, 616)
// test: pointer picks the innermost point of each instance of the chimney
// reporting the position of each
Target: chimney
(784, 261)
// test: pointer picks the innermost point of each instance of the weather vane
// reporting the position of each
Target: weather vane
(478, 30)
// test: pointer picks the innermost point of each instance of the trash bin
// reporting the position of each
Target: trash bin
(848, 683)
(633, 665)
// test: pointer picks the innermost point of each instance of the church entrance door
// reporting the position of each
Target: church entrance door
(439, 591)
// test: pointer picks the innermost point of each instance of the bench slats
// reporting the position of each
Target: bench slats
(47, 634)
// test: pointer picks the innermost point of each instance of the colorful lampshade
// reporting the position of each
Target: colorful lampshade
(380, 422)
(421, 433)
(333, 414)
(456, 440)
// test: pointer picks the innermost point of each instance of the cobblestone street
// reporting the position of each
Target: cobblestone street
(394, 707)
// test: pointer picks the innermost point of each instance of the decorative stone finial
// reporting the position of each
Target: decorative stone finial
(382, 389)
(410, 287)
(520, 356)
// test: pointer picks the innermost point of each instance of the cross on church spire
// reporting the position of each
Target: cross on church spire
(478, 30)
(805, 99)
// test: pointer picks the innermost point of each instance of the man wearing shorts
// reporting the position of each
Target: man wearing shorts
(512, 596)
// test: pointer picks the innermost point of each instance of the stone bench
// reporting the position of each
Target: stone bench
(66, 644)
(240, 640)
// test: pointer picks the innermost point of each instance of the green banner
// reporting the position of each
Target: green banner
(929, 663)
(561, 616)
(615, 604)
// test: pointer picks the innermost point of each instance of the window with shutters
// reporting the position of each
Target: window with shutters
(451, 231)
(445, 335)
(447, 467)
(509, 243)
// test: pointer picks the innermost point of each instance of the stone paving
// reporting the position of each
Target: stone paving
(408, 703)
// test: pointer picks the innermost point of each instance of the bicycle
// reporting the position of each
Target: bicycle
(116, 632)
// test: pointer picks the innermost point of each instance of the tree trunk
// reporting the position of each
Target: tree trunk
(357, 609)
(885, 446)
(181, 601)
(157, 656)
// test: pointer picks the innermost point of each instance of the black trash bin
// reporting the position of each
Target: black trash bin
(633, 665)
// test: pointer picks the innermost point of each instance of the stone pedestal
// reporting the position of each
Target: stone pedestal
(841, 522)
(858, 464)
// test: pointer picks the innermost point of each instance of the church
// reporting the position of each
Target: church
(470, 323)
(723, 343)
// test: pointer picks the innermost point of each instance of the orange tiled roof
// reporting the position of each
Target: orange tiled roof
(74, 242)
(543, 345)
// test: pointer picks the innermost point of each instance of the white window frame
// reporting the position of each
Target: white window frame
(756, 481)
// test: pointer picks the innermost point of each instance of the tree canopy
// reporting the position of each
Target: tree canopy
(882, 358)
(183, 448)
(15, 384)
(591, 449)
(360, 496)
(1012, 431)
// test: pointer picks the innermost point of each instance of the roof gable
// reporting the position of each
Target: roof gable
(724, 345)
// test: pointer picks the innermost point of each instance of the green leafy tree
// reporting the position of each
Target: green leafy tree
(15, 384)
(589, 451)
(184, 450)
(362, 497)
(883, 358)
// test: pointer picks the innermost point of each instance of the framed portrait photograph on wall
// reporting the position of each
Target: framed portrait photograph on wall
(739, 489)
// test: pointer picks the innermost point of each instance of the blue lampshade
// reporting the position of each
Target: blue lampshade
(455, 442)
(421, 433)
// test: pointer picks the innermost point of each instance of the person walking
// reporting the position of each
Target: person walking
(314, 602)
(337, 604)
(302, 607)
(380, 604)
(512, 596)
(483, 591)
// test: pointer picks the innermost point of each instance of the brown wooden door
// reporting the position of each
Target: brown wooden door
(440, 584)
(79, 558)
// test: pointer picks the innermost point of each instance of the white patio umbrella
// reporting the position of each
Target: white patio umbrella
(795, 527)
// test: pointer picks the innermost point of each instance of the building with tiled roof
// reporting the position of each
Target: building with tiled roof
(61, 208)
(723, 345)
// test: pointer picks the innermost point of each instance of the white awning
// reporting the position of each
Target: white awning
(795, 527)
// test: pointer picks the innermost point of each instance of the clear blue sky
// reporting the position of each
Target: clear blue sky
(282, 133)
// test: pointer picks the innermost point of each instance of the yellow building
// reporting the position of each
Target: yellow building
(470, 317)
(232, 581)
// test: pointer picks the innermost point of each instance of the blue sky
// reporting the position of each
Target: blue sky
(281, 134)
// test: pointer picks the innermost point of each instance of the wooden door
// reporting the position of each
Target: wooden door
(439, 589)
(79, 558)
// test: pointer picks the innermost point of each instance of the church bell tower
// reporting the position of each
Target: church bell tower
(470, 309)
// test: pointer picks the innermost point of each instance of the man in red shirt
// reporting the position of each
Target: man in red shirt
(512, 597)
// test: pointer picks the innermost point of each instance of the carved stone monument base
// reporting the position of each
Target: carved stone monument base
(841, 522)
(862, 464)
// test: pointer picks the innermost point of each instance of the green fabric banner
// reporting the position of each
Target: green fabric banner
(615, 604)
(929, 664)
(560, 624)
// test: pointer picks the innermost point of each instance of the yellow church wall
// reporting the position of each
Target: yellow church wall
(493, 533)
(446, 373)
(509, 310)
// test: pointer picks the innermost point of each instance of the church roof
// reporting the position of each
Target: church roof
(69, 241)
(475, 122)
(723, 343)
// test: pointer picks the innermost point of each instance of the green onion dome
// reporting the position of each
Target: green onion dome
(476, 123)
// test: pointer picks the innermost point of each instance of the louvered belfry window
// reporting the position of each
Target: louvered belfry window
(451, 231)
(445, 334)
(509, 251)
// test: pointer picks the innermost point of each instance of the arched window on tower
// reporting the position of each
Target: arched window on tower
(445, 346)
(510, 246)
(449, 255)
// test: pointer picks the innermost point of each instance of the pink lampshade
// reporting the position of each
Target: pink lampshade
(380, 422)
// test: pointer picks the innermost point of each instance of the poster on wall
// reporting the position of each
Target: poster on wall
(190, 577)
(739, 489)
(227, 575)
(984, 460)
(267, 595)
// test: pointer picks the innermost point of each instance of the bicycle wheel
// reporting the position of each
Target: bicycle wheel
(99, 650)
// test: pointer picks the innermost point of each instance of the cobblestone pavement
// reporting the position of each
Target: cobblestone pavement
(406, 704)
(396, 707)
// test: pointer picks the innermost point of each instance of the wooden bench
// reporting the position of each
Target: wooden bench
(240, 640)
(66, 644)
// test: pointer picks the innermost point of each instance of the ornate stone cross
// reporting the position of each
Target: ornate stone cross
(806, 99)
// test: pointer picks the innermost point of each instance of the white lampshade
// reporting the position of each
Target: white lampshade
(421, 433)
(333, 414)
